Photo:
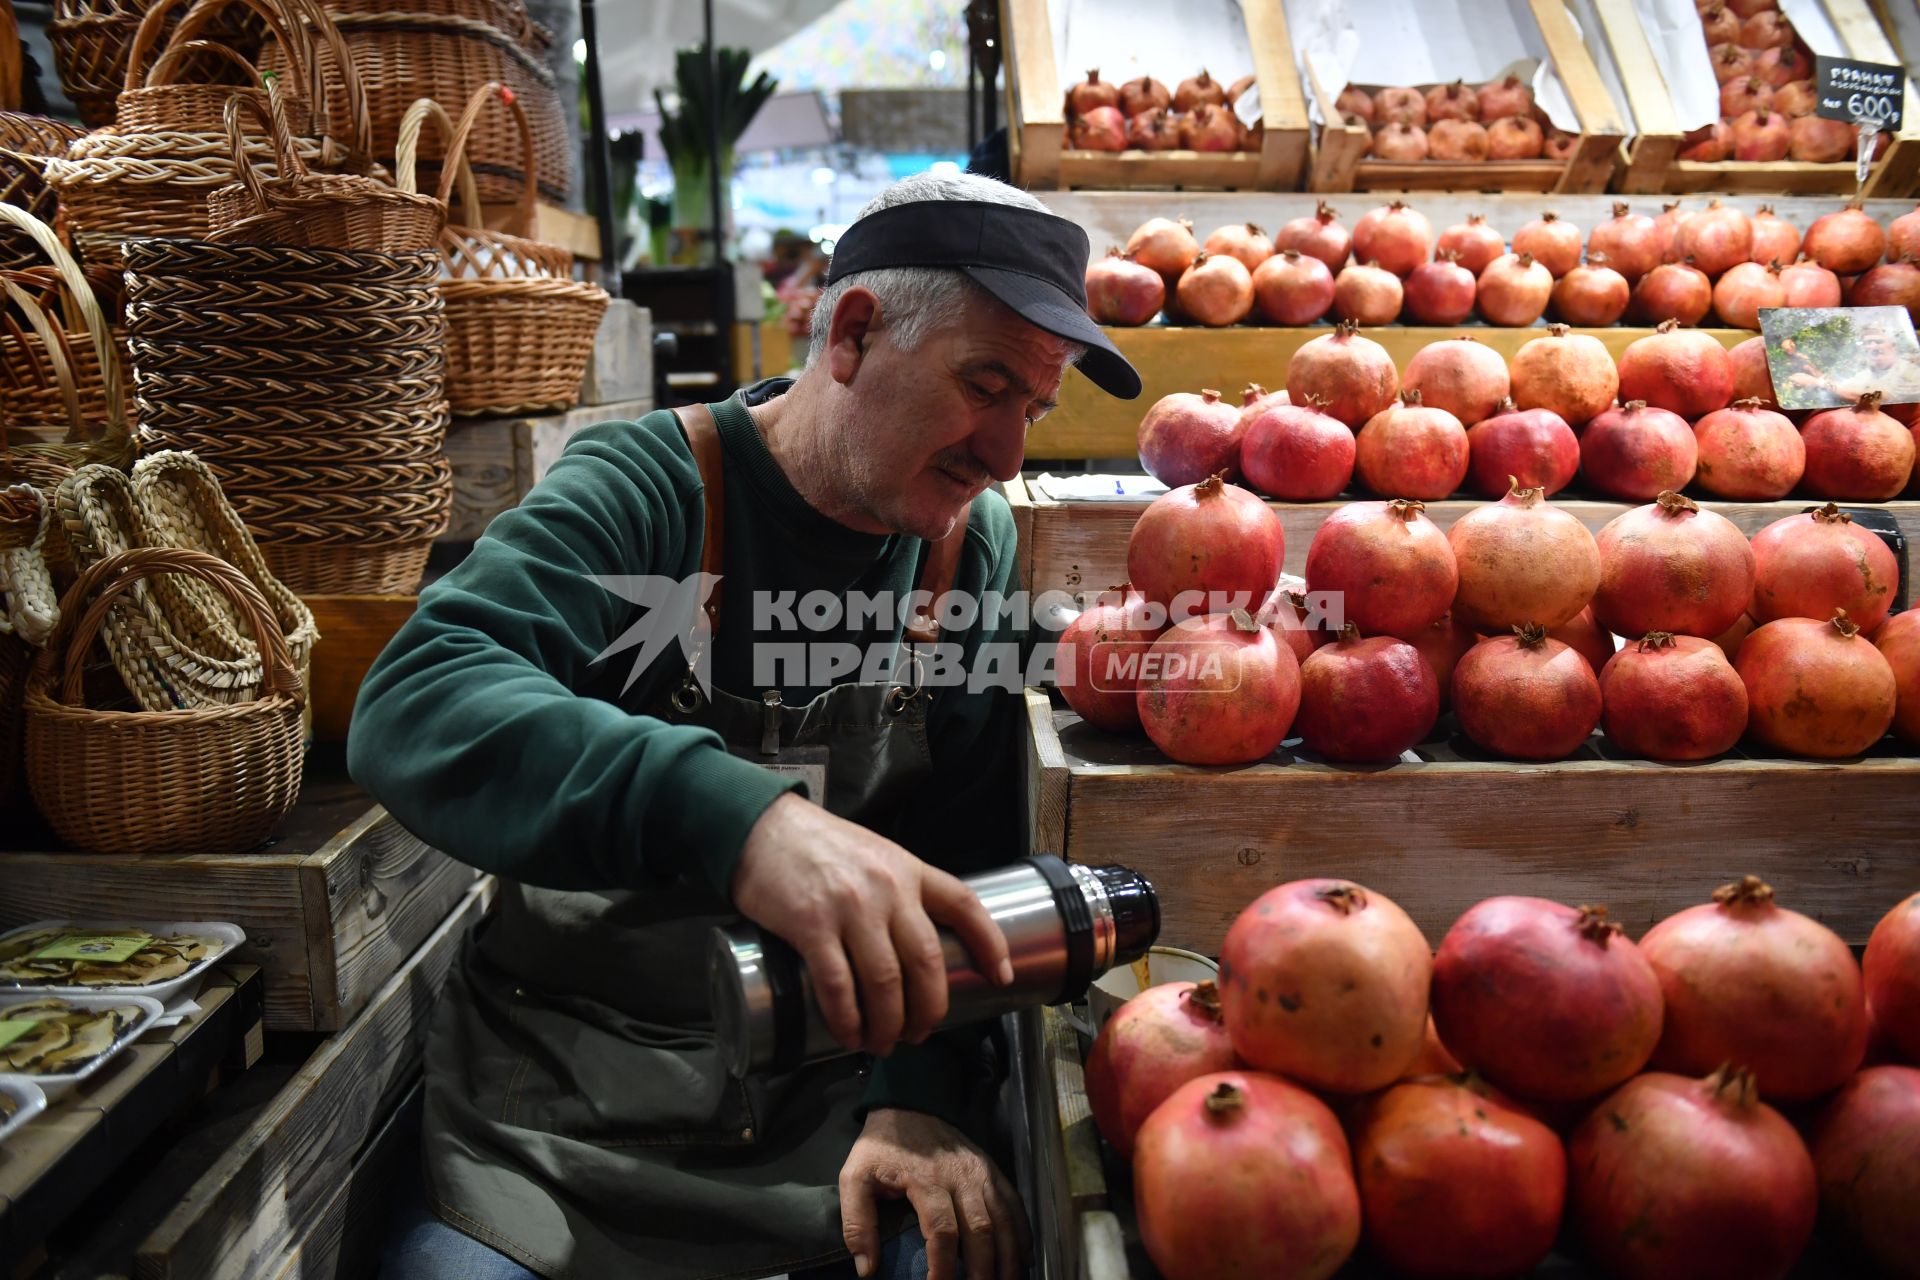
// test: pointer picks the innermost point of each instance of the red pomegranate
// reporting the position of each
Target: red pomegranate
(1399, 105)
(1242, 240)
(1818, 563)
(1749, 452)
(1866, 1153)
(1761, 136)
(1244, 1174)
(1300, 625)
(1534, 446)
(1510, 96)
(1153, 130)
(1256, 400)
(1367, 294)
(1400, 141)
(1816, 689)
(1681, 370)
(1767, 29)
(1631, 242)
(1669, 697)
(1774, 238)
(1554, 244)
(1818, 140)
(1747, 980)
(1166, 246)
(1898, 641)
(1099, 658)
(1751, 378)
(1730, 62)
(1153, 1044)
(1546, 1001)
(1527, 697)
(1781, 67)
(1396, 236)
(1475, 244)
(1857, 454)
(1669, 566)
(1354, 100)
(1515, 138)
(1143, 94)
(1452, 102)
(1808, 284)
(1390, 564)
(1667, 225)
(1292, 288)
(1891, 284)
(1218, 690)
(1122, 291)
(1585, 636)
(1709, 144)
(1354, 375)
(1434, 1060)
(1720, 25)
(1185, 438)
(1635, 453)
(1210, 537)
(1738, 97)
(1457, 140)
(1216, 290)
(1297, 453)
(1570, 373)
(1795, 98)
(1739, 295)
(1892, 974)
(1326, 983)
(1442, 644)
(1522, 560)
(1716, 238)
(1319, 235)
(1366, 700)
(1592, 294)
(1439, 292)
(1466, 378)
(1091, 93)
(1730, 640)
(1845, 243)
(1514, 290)
(1197, 91)
(1101, 129)
(1677, 291)
(1412, 450)
(1672, 1176)
(1903, 235)
(1455, 1181)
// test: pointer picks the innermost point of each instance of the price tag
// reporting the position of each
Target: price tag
(103, 948)
(1859, 92)
(13, 1028)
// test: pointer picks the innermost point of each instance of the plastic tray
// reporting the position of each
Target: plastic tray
(187, 985)
(55, 1087)
(31, 1102)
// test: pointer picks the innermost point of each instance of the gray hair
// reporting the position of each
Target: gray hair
(914, 299)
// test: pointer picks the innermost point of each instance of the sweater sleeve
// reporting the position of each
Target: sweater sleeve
(471, 727)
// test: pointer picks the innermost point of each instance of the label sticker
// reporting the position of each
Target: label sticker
(13, 1028)
(103, 948)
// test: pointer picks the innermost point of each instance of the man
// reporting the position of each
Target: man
(579, 1121)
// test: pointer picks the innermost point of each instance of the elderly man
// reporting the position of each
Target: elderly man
(579, 1121)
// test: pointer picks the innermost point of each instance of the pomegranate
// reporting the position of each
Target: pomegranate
(1709, 144)
(1242, 240)
(1891, 970)
(1857, 454)
(1100, 129)
(1297, 453)
(1217, 290)
(1326, 983)
(1774, 238)
(1400, 106)
(1142, 95)
(1301, 628)
(1411, 449)
(1527, 697)
(1767, 29)
(1672, 1176)
(1815, 564)
(1218, 690)
(1898, 641)
(1514, 290)
(1456, 1182)
(1682, 370)
(1570, 373)
(1354, 375)
(1522, 560)
(1366, 700)
(1546, 1001)
(1166, 246)
(1559, 145)
(1715, 238)
(1730, 640)
(1184, 438)
(1669, 566)
(1749, 452)
(1672, 218)
(1400, 142)
(1153, 1044)
(1511, 96)
(1256, 400)
(1739, 295)
(1730, 62)
(1466, 378)
(1121, 291)
(1795, 98)
(1198, 91)
(1866, 1153)
(1457, 140)
(1586, 637)
(1318, 236)
(1738, 97)
(1845, 243)
(1209, 128)
(1439, 292)
(1452, 102)
(1630, 241)
(1211, 537)
(1817, 689)
(1474, 243)
(1244, 1174)
(1515, 138)
(1534, 446)
(1747, 980)
(1554, 244)
(1099, 658)
(1390, 564)
(1818, 140)
(1092, 94)
(1903, 235)
(1367, 294)
(1396, 237)
(1720, 24)
(1442, 643)
(1808, 284)
(1634, 452)
(1239, 87)
(1781, 67)
(1292, 288)
(1669, 697)
(1354, 100)
(1592, 294)
(1434, 1060)
(1154, 130)
(1891, 284)
(1751, 378)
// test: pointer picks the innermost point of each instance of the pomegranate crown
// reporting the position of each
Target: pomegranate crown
(1830, 514)
(1325, 212)
(1750, 403)
(1225, 1100)
(1525, 260)
(1524, 495)
(1346, 329)
(1734, 1085)
(1597, 258)
(1592, 924)
(1559, 330)
(1406, 508)
(1667, 326)
(1093, 76)
(1213, 486)
(1869, 402)
(1530, 635)
(1675, 504)
(1210, 395)
(1549, 216)
(1349, 632)
(1411, 396)
(1844, 625)
(1656, 640)
(1243, 621)
(1344, 898)
(1204, 997)
(1252, 392)
(1747, 891)
(1619, 208)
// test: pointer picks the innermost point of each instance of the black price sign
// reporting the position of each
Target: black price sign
(1859, 91)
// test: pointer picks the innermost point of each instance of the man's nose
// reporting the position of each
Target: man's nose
(1000, 443)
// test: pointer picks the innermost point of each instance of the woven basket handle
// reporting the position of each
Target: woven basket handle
(359, 139)
(105, 580)
(117, 432)
(406, 155)
(56, 345)
(274, 121)
(202, 13)
(526, 211)
(175, 54)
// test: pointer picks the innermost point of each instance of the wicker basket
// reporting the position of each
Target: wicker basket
(92, 38)
(28, 611)
(357, 569)
(520, 329)
(161, 94)
(206, 780)
(25, 142)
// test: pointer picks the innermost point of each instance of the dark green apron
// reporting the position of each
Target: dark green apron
(578, 1115)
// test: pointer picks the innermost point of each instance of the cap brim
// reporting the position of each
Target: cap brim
(1045, 306)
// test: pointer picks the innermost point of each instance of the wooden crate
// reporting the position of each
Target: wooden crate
(1340, 162)
(497, 460)
(1649, 162)
(353, 631)
(1037, 126)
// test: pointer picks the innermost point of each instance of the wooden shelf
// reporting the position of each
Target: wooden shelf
(496, 461)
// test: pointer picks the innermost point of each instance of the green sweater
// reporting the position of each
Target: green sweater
(487, 728)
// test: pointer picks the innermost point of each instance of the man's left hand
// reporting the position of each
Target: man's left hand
(968, 1211)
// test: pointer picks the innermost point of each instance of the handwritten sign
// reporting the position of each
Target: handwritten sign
(1859, 92)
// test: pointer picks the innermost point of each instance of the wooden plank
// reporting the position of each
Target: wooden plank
(1586, 91)
(353, 631)
(1339, 146)
(1649, 101)
(279, 1181)
(496, 461)
(577, 233)
(1286, 136)
(345, 1238)
(1103, 1247)
(1079, 1140)
(1057, 1244)
(1035, 105)
(1047, 779)
(1171, 170)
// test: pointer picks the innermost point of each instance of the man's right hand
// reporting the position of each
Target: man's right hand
(861, 912)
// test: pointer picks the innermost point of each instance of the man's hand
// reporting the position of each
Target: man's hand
(859, 907)
(967, 1209)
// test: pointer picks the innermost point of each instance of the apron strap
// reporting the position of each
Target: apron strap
(703, 437)
(936, 579)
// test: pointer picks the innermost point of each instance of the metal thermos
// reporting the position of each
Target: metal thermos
(1065, 926)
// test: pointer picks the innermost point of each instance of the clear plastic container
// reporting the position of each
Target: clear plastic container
(55, 1087)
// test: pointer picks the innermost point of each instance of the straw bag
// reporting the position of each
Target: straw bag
(520, 329)
(206, 780)
(28, 611)
(25, 143)
(91, 40)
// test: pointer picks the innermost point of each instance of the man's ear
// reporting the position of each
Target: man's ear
(855, 319)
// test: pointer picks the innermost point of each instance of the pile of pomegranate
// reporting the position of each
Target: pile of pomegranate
(1697, 1103)
(1458, 122)
(1765, 72)
(1141, 115)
